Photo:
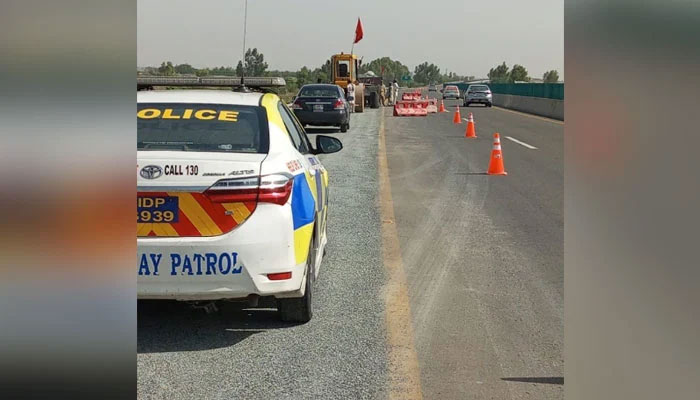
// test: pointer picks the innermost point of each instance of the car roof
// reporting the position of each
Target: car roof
(211, 96)
(451, 87)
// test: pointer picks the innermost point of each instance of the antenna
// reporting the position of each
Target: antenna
(243, 61)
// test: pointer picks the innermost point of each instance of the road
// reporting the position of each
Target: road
(439, 281)
(483, 254)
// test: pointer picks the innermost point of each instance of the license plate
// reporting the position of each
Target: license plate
(157, 209)
(318, 107)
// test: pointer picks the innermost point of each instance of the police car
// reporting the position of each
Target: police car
(232, 199)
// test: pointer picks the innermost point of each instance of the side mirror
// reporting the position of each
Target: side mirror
(327, 145)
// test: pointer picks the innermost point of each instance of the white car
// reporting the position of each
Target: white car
(478, 94)
(450, 92)
(232, 201)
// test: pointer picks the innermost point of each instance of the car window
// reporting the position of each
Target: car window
(300, 127)
(343, 68)
(201, 127)
(295, 131)
(318, 91)
(478, 88)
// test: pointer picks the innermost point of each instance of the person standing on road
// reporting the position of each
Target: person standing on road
(395, 90)
(351, 96)
(382, 94)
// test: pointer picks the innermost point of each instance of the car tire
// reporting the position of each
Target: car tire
(488, 104)
(344, 127)
(300, 309)
(374, 100)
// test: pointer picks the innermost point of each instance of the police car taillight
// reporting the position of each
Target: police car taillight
(275, 189)
(234, 190)
(267, 189)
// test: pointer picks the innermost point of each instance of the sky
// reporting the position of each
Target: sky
(467, 37)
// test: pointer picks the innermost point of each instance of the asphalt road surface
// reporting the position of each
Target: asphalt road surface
(439, 281)
(483, 254)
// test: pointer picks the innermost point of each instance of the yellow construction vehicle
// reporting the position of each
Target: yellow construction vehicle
(344, 69)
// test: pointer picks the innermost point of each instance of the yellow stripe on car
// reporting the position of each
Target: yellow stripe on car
(196, 214)
(239, 212)
(302, 238)
(269, 101)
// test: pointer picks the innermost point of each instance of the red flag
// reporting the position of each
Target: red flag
(359, 32)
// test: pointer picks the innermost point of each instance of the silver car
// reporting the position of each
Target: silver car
(450, 92)
(478, 94)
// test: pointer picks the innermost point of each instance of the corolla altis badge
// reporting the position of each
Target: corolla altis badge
(151, 172)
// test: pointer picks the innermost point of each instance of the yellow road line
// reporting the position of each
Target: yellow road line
(404, 372)
(556, 121)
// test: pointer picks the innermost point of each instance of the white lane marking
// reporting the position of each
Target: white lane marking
(521, 143)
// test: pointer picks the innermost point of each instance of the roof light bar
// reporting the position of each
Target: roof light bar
(210, 81)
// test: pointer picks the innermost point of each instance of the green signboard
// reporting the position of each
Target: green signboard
(406, 78)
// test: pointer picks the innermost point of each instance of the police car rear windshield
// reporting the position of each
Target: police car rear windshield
(202, 127)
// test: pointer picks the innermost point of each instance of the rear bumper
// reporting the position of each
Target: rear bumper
(478, 100)
(230, 266)
(336, 117)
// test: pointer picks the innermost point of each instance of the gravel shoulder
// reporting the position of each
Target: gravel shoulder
(239, 353)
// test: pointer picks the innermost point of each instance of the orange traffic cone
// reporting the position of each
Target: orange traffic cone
(442, 106)
(471, 131)
(457, 118)
(496, 163)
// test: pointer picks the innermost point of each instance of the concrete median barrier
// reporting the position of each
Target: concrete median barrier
(550, 108)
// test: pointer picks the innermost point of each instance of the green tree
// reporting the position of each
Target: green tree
(324, 72)
(253, 64)
(393, 69)
(226, 71)
(426, 73)
(304, 76)
(518, 73)
(499, 74)
(166, 68)
(551, 76)
(185, 69)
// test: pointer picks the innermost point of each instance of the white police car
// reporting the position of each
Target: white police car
(232, 201)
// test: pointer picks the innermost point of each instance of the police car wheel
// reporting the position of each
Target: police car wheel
(344, 127)
(300, 309)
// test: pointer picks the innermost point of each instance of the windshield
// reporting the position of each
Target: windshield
(478, 88)
(318, 91)
(202, 127)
